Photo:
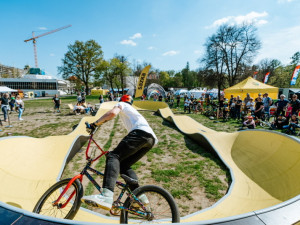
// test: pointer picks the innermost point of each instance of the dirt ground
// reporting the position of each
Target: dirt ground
(170, 164)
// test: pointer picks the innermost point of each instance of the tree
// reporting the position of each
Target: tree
(268, 65)
(122, 70)
(81, 60)
(237, 45)
(214, 64)
(295, 58)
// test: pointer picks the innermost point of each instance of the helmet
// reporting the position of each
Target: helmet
(126, 98)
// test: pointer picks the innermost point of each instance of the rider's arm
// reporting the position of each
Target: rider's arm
(108, 116)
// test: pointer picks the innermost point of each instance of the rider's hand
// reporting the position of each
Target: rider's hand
(91, 128)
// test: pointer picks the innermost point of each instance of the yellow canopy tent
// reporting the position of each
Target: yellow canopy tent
(99, 91)
(253, 87)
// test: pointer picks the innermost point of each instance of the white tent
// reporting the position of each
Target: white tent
(197, 93)
(4, 89)
(182, 92)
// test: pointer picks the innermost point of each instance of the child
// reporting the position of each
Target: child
(288, 112)
(250, 124)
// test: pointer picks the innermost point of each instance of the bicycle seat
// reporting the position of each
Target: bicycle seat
(129, 180)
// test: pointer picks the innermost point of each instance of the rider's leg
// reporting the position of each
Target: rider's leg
(126, 150)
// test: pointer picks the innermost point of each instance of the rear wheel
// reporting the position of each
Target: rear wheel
(45, 204)
(162, 207)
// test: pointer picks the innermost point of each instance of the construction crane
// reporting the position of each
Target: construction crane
(41, 35)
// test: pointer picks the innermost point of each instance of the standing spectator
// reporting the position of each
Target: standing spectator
(83, 96)
(185, 96)
(247, 99)
(251, 105)
(187, 105)
(4, 106)
(101, 100)
(289, 110)
(168, 97)
(20, 106)
(259, 96)
(56, 100)
(238, 106)
(295, 104)
(160, 98)
(171, 101)
(79, 98)
(232, 108)
(12, 103)
(281, 105)
(178, 100)
(155, 97)
(258, 108)
(231, 100)
(267, 103)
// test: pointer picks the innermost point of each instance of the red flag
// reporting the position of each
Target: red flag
(255, 75)
(266, 77)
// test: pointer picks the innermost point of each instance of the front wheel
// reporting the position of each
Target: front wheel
(162, 207)
(68, 205)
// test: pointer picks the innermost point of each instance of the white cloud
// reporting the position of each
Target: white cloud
(252, 17)
(281, 44)
(171, 53)
(137, 35)
(128, 42)
(151, 48)
(52, 54)
(42, 28)
(285, 1)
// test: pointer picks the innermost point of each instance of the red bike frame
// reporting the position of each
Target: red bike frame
(80, 176)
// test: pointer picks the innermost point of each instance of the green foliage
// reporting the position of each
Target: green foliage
(81, 60)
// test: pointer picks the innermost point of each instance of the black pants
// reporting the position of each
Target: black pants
(130, 150)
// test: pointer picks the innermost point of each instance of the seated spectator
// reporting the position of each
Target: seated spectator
(294, 123)
(279, 122)
(249, 123)
(89, 108)
(79, 108)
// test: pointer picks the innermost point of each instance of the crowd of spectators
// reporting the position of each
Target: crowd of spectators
(10, 103)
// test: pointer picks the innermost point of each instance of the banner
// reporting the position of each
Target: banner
(255, 75)
(295, 75)
(141, 83)
(266, 77)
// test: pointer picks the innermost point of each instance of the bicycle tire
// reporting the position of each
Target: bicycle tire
(159, 198)
(44, 205)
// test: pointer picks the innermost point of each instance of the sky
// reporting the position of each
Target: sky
(165, 33)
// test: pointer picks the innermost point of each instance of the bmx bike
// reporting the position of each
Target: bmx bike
(63, 199)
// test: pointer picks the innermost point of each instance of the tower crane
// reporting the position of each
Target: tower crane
(41, 35)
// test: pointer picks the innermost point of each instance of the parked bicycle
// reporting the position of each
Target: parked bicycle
(63, 199)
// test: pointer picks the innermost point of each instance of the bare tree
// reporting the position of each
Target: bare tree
(238, 45)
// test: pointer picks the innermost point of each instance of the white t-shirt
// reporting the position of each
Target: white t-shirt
(133, 120)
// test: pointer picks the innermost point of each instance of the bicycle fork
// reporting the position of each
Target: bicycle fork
(59, 205)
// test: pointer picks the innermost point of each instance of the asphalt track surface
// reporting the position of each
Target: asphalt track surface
(264, 166)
